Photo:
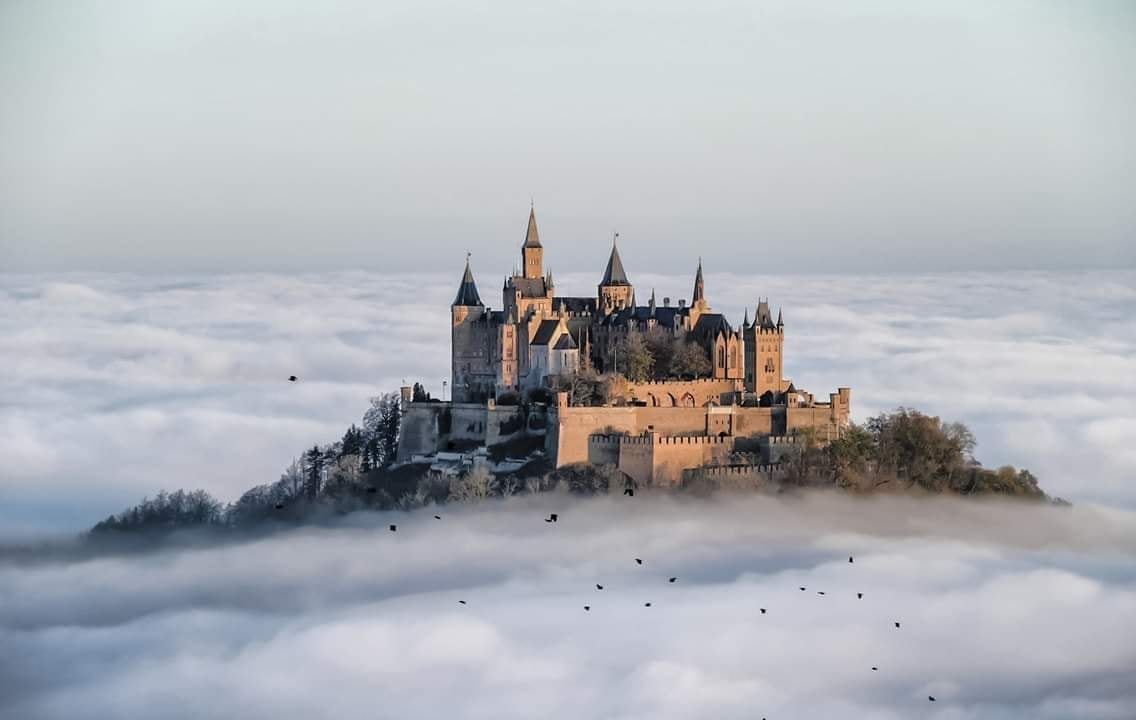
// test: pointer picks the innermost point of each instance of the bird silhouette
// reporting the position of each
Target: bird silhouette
(599, 587)
(587, 607)
(931, 698)
(802, 589)
(762, 611)
(462, 602)
(437, 517)
(897, 625)
(279, 506)
(291, 378)
(875, 668)
(849, 558)
(638, 561)
(552, 517)
(859, 596)
(393, 528)
(820, 592)
(672, 579)
(646, 604)
(629, 492)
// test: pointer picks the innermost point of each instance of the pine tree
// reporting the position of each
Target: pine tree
(313, 471)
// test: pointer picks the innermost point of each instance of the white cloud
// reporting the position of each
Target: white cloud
(1007, 611)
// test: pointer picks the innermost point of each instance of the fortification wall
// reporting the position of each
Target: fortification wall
(684, 393)
(428, 427)
(419, 431)
(732, 477)
(674, 455)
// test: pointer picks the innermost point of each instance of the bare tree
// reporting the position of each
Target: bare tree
(474, 486)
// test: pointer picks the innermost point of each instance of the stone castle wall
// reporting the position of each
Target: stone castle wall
(429, 427)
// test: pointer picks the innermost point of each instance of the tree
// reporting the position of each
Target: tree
(475, 485)
(633, 358)
(690, 360)
(352, 442)
(380, 431)
(313, 472)
(419, 394)
(662, 345)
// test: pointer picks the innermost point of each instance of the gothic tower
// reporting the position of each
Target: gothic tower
(532, 252)
(615, 290)
(764, 342)
(469, 360)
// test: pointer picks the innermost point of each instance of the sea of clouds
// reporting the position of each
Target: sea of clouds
(116, 386)
(1006, 611)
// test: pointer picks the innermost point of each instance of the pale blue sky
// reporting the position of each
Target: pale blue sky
(158, 135)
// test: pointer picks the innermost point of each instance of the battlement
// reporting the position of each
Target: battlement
(654, 439)
(780, 439)
(720, 471)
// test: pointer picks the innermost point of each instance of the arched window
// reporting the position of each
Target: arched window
(733, 357)
(721, 357)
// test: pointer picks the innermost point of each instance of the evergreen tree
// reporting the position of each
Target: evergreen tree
(313, 471)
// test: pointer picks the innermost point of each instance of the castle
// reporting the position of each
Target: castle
(657, 429)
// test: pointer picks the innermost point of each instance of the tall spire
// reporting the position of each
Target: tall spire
(699, 286)
(532, 239)
(614, 274)
(745, 320)
(780, 322)
(467, 292)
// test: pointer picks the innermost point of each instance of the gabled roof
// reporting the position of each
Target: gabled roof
(574, 304)
(467, 291)
(532, 239)
(764, 317)
(545, 332)
(565, 342)
(710, 324)
(614, 274)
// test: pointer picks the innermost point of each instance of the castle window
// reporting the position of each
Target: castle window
(721, 357)
(733, 357)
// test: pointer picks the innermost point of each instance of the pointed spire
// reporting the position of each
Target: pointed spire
(467, 292)
(532, 239)
(699, 285)
(745, 320)
(780, 322)
(651, 302)
(614, 274)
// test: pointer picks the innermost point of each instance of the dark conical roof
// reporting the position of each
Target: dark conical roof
(614, 274)
(699, 285)
(532, 239)
(467, 291)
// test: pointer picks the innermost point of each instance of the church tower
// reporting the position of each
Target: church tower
(469, 359)
(532, 252)
(615, 291)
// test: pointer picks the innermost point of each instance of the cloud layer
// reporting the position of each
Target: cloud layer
(1007, 611)
(116, 386)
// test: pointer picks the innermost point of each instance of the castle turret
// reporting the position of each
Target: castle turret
(615, 290)
(532, 252)
(469, 339)
(764, 343)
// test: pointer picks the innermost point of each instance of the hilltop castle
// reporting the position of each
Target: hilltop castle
(657, 429)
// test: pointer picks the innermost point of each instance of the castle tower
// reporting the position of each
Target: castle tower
(764, 342)
(469, 358)
(532, 252)
(615, 290)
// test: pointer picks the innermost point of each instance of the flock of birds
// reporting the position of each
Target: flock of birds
(555, 517)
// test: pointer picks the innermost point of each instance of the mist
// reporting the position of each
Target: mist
(1007, 610)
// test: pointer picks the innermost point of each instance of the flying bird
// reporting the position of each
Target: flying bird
(291, 378)
(897, 625)
(802, 589)
(630, 492)
(638, 561)
(820, 592)
(875, 668)
(437, 517)
(552, 517)
(462, 602)
(849, 558)
(599, 587)
(646, 604)
(762, 611)
(587, 607)
(672, 579)
(859, 596)
(393, 528)
(931, 698)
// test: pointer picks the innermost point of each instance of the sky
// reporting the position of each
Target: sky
(1006, 612)
(271, 135)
